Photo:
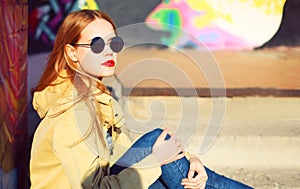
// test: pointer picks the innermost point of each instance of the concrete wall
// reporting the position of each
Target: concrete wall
(13, 94)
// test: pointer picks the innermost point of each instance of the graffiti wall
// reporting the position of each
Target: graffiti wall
(13, 94)
(218, 25)
(226, 24)
(45, 18)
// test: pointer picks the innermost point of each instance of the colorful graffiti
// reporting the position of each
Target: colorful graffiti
(45, 18)
(13, 93)
(226, 24)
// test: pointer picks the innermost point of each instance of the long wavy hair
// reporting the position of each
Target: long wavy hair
(59, 62)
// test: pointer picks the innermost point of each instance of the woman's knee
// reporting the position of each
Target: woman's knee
(156, 132)
(151, 136)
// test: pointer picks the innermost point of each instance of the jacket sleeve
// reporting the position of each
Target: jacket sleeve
(80, 162)
(132, 177)
(139, 175)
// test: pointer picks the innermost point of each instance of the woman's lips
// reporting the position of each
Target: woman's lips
(109, 63)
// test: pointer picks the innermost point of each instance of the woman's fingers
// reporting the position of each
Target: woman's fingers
(199, 181)
(167, 151)
(193, 183)
(162, 136)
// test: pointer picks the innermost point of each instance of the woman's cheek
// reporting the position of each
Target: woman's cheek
(91, 64)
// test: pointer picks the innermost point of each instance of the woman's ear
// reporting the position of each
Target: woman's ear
(70, 50)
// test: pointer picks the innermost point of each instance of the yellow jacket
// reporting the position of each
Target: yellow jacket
(57, 161)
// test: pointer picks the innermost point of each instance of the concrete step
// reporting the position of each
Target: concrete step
(256, 141)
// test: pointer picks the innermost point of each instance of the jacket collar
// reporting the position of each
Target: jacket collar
(64, 90)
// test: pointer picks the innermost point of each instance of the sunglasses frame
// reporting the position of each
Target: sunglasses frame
(97, 44)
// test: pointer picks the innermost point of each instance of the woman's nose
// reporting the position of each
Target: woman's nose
(107, 50)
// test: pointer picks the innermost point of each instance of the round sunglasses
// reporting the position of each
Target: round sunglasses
(97, 44)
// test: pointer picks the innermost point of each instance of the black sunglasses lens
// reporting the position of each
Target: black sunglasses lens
(97, 45)
(116, 44)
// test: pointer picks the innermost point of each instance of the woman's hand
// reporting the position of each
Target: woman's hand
(199, 181)
(167, 151)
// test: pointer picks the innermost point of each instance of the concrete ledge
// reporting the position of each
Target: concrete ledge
(206, 92)
(258, 142)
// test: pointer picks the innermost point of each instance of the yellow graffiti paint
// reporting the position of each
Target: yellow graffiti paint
(210, 13)
(269, 6)
(90, 4)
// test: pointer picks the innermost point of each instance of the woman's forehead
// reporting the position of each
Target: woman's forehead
(98, 28)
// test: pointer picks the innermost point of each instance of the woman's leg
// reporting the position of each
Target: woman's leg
(216, 181)
(172, 173)
(138, 151)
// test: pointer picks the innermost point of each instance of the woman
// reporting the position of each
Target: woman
(79, 143)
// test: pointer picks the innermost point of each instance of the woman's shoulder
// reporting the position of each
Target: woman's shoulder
(65, 126)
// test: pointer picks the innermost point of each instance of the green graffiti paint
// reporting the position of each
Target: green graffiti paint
(171, 21)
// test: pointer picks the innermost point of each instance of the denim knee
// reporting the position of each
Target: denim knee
(156, 132)
(148, 139)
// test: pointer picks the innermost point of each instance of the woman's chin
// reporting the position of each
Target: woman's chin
(106, 74)
(102, 73)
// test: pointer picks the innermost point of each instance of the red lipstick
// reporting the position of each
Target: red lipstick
(109, 63)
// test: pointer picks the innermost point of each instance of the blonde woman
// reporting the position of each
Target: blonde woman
(79, 142)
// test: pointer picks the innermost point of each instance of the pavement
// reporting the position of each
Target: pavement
(240, 111)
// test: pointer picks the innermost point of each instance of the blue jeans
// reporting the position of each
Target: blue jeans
(172, 173)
